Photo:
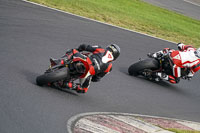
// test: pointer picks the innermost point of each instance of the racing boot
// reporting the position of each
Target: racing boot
(160, 76)
(70, 85)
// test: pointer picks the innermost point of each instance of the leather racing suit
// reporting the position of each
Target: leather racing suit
(97, 65)
(183, 58)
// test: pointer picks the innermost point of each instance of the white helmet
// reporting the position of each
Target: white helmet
(197, 52)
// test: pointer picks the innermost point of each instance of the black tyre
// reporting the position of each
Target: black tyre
(140, 66)
(52, 76)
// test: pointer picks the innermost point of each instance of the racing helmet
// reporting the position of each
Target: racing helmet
(80, 67)
(114, 49)
(197, 52)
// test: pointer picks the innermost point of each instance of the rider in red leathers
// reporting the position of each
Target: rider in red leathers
(91, 68)
(186, 57)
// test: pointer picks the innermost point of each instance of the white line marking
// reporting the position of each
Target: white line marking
(97, 21)
(147, 127)
(195, 126)
(94, 128)
(191, 2)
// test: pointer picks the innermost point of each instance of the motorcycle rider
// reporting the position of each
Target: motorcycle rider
(186, 57)
(89, 69)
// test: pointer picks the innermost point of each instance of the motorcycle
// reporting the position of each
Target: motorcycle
(59, 72)
(162, 63)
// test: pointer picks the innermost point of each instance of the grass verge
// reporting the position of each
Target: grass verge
(134, 15)
(182, 131)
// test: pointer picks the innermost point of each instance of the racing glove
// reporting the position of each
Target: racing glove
(150, 55)
(155, 55)
(82, 47)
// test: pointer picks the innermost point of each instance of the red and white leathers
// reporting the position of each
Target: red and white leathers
(184, 58)
(97, 65)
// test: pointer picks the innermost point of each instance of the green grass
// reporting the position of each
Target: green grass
(135, 15)
(183, 131)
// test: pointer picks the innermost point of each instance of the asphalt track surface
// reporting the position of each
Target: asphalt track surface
(189, 8)
(30, 34)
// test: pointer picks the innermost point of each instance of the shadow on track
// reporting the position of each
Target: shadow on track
(31, 78)
(66, 90)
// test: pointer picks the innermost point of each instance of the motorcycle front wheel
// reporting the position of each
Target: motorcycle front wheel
(53, 76)
(138, 67)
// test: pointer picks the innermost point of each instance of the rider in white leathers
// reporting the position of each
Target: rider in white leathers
(186, 57)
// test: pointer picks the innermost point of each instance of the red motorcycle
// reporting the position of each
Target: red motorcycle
(59, 73)
(162, 63)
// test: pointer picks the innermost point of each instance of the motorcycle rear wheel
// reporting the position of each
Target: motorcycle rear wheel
(138, 67)
(53, 76)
